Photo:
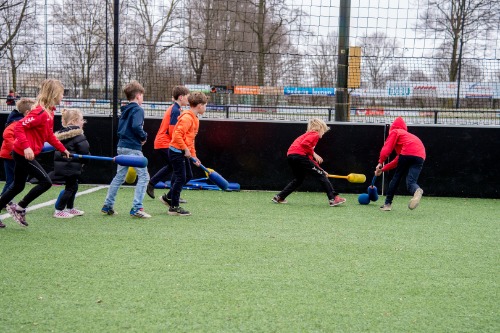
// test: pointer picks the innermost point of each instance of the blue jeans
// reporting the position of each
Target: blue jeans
(121, 173)
(409, 166)
(9, 166)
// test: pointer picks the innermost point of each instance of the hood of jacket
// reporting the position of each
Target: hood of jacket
(398, 123)
(69, 132)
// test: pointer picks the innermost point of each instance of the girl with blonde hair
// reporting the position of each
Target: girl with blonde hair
(36, 128)
(304, 161)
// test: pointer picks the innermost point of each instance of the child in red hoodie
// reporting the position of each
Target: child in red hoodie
(409, 160)
(304, 161)
(36, 128)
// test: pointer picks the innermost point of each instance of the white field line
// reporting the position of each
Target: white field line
(52, 202)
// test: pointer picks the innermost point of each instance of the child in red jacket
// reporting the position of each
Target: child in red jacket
(23, 107)
(409, 160)
(304, 161)
(31, 133)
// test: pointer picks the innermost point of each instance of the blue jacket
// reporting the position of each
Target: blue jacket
(130, 131)
(13, 116)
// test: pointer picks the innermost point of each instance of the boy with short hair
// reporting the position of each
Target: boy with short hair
(164, 136)
(182, 149)
(131, 138)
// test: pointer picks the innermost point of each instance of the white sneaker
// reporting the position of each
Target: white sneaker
(140, 213)
(62, 214)
(75, 212)
(416, 199)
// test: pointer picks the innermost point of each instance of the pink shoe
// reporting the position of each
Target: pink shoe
(337, 201)
(75, 212)
(62, 214)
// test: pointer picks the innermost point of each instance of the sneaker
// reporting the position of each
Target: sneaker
(75, 211)
(150, 190)
(17, 213)
(179, 211)
(386, 207)
(416, 199)
(62, 214)
(2, 225)
(140, 213)
(278, 200)
(182, 200)
(166, 201)
(106, 210)
(336, 201)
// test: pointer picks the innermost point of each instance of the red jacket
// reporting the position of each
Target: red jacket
(8, 141)
(34, 129)
(403, 142)
(304, 145)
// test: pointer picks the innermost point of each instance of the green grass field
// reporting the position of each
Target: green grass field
(243, 264)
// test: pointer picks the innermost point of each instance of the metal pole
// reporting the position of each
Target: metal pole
(457, 106)
(341, 93)
(106, 96)
(116, 42)
(46, 42)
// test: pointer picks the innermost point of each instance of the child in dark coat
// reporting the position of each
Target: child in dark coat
(72, 137)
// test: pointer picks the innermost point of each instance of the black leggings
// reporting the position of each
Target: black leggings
(21, 171)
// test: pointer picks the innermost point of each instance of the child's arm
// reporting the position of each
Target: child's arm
(388, 147)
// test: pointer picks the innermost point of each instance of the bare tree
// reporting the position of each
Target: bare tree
(324, 61)
(147, 26)
(458, 21)
(14, 20)
(80, 23)
(379, 50)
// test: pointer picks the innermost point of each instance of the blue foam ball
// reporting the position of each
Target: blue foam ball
(373, 193)
(363, 199)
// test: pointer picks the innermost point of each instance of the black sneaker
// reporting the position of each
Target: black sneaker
(166, 201)
(106, 210)
(179, 211)
(150, 190)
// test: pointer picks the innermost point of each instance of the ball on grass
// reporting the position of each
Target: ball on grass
(363, 199)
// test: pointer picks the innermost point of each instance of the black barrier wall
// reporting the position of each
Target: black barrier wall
(461, 161)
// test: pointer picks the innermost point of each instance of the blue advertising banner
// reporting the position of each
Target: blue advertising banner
(309, 91)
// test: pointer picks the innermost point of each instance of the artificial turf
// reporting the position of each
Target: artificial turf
(243, 264)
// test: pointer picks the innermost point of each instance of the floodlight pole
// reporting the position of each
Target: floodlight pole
(116, 42)
(341, 93)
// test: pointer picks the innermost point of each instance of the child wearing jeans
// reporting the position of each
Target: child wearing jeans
(182, 150)
(23, 106)
(304, 161)
(409, 160)
(72, 137)
(131, 138)
(31, 133)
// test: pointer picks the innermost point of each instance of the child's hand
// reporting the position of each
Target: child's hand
(28, 154)
(66, 152)
(378, 170)
(317, 158)
(187, 153)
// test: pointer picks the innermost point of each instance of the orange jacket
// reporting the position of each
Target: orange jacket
(185, 131)
(164, 135)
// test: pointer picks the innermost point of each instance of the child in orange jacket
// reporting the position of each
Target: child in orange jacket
(304, 161)
(182, 149)
(31, 133)
(409, 161)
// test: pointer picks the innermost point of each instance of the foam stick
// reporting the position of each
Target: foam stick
(372, 190)
(123, 160)
(215, 177)
(351, 178)
(131, 175)
(47, 147)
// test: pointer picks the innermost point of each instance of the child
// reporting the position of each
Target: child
(182, 150)
(304, 161)
(12, 97)
(164, 135)
(31, 133)
(24, 105)
(72, 137)
(408, 161)
(131, 138)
